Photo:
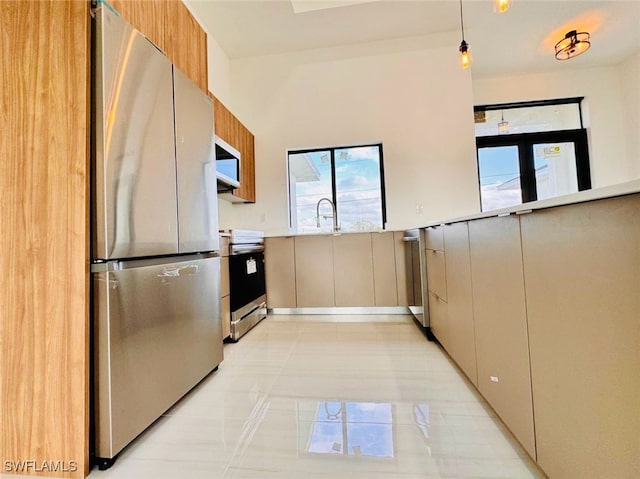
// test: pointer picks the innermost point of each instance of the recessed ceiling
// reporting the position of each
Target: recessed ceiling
(519, 40)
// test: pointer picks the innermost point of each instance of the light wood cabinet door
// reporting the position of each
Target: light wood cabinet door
(314, 271)
(582, 276)
(405, 293)
(280, 271)
(436, 272)
(461, 335)
(186, 43)
(247, 190)
(149, 17)
(502, 346)
(44, 186)
(384, 269)
(229, 128)
(171, 27)
(353, 270)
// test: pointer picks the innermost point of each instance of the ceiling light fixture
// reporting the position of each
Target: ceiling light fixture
(501, 6)
(572, 45)
(503, 126)
(465, 55)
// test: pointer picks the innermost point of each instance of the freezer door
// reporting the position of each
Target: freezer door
(135, 211)
(196, 167)
(157, 333)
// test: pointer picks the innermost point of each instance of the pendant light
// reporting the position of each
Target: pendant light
(465, 55)
(503, 126)
(501, 6)
(572, 45)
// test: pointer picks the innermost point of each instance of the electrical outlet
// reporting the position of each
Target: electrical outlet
(419, 208)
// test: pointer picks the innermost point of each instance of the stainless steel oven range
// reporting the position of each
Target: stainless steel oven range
(247, 280)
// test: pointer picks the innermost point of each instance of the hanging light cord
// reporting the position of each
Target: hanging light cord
(461, 22)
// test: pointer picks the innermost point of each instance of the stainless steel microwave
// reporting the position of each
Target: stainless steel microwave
(227, 165)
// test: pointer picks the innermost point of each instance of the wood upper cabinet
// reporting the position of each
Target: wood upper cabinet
(171, 27)
(186, 43)
(499, 312)
(148, 17)
(582, 277)
(460, 328)
(229, 128)
(353, 270)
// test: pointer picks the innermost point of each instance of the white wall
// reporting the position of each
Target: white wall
(219, 71)
(415, 100)
(630, 82)
(611, 154)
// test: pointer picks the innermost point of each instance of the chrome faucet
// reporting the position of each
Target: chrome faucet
(333, 214)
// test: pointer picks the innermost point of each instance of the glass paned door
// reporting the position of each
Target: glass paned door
(499, 171)
(555, 166)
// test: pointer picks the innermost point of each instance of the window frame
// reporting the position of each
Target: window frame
(332, 150)
(525, 142)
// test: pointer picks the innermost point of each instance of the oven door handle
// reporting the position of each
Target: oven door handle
(245, 249)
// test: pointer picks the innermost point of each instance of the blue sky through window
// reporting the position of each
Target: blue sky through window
(358, 188)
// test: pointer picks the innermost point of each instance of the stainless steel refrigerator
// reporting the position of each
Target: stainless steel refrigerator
(155, 246)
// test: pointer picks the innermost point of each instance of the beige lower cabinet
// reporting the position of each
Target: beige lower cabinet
(346, 270)
(353, 270)
(384, 269)
(499, 312)
(436, 272)
(582, 275)
(438, 319)
(460, 333)
(314, 271)
(280, 272)
(434, 238)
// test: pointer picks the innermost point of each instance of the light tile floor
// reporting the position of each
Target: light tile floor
(306, 397)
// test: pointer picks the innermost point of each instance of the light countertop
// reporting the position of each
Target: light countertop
(612, 191)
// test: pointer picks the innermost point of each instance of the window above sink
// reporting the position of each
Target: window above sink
(351, 178)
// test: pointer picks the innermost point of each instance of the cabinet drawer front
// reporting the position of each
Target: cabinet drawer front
(434, 238)
(436, 273)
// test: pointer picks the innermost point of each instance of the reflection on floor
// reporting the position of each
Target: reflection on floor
(351, 428)
(300, 398)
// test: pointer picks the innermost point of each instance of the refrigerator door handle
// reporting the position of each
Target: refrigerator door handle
(121, 265)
